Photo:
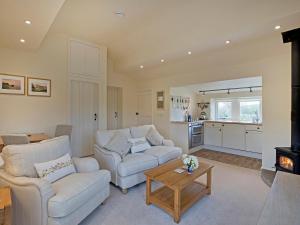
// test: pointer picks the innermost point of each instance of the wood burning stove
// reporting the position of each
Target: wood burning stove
(288, 158)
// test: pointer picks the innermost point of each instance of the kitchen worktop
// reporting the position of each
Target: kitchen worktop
(217, 121)
(184, 122)
(233, 122)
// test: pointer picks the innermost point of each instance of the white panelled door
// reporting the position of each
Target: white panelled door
(145, 108)
(84, 116)
(114, 108)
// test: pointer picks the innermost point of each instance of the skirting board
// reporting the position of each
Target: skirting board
(227, 150)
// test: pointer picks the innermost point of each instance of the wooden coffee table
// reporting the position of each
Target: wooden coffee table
(180, 190)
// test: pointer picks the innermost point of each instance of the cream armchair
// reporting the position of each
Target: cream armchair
(66, 201)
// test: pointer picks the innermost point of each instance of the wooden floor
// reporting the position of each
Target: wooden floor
(232, 159)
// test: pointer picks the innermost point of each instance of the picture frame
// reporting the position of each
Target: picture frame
(12, 84)
(160, 100)
(38, 87)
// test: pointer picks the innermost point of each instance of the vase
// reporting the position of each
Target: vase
(190, 169)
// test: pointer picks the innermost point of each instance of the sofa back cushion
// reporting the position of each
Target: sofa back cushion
(104, 136)
(140, 131)
(20, 159)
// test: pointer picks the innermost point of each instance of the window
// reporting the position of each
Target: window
(243, 109)
(250, 110)
(223, 110)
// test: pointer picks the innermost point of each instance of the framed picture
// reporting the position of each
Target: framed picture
(160, 100)
(12, 84)
(38, 87)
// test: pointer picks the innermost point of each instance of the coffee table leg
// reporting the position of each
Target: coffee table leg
(209, 181)
(177, 201)
(148, 190)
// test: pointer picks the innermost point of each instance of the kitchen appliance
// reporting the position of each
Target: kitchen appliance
(196, 134)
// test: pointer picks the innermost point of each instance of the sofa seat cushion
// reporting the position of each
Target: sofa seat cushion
(74, 190)
(135, 163)
(164, 153)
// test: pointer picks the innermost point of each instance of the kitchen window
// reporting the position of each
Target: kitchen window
(250, 110)
(241, 109)
(224, 110)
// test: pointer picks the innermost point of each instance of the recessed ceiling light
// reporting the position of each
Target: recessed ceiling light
(120, 13)
(141, 66)
(227, 42)
(277, 27)
(189, 52)
(22, 40)
(162, 60)
(28, 22)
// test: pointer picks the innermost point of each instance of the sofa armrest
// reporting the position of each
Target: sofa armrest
(85, 165)
(167, 142)
(108, 160)
(30, 197)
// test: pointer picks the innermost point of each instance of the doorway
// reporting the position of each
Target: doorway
(144, 116)
(114, 107)
(84, 116)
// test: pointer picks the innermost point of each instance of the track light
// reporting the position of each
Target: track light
(251, 90)
(203, 93)
(228, 92)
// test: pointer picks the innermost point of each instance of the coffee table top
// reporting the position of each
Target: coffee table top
(166, 174)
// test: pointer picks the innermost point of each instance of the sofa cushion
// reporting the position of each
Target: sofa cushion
(154, 137)
(55, 169)
(119, 144)
(138, 144)
(75, 190)
(164, 153)
(141, 131)
(135, 163)
(104, 136)
(19, 159)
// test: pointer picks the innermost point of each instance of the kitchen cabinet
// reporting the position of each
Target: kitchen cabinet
(253, 141)
(213, 134)
(234, 136)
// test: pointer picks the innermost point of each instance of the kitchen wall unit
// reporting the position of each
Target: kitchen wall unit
(234, 137)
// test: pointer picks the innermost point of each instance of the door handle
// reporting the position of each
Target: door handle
(95, 116)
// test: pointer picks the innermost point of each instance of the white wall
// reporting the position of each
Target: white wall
(276, 73)
(129, 88)
(36, 114)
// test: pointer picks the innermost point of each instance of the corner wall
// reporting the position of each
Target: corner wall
(36, 114)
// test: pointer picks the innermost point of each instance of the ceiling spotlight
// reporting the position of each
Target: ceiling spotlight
(228, 92)
(22, 40)
(227, 42)
(120, 13)
(162, 60)
(28, 22)
(277, 27)
(141, 66)
(189, 52)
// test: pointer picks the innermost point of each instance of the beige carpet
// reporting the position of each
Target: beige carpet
(237, 199)
(237, 160)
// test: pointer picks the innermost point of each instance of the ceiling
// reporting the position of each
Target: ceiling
(151, 30)
(13, 14)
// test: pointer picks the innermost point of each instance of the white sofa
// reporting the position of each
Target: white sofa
(130, 171)
(36, 201)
